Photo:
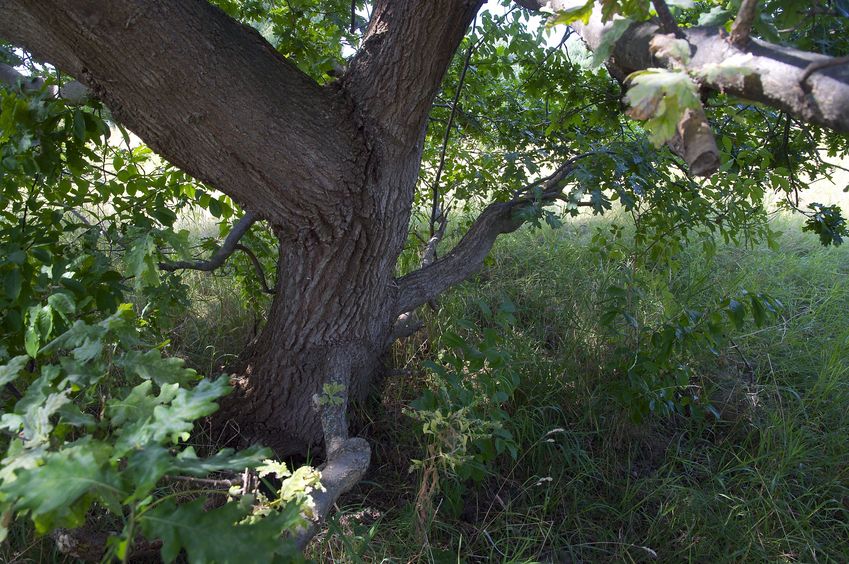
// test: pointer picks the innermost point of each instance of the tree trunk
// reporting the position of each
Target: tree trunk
(332, 312)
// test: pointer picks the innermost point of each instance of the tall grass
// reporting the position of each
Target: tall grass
(768, 481)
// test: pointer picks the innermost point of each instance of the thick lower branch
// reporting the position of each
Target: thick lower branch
(467, 257)
(208, 94)
(771, 74)
(345, 468)
(347, 458)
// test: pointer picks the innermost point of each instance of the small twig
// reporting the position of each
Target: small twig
(750, 371)
(206, 481)
(353, 16)
(742, 27)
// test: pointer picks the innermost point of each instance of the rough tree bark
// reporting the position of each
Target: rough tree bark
(332, 168)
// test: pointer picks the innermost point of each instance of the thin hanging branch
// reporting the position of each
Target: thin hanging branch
(260, 272)
(231, 245)
(435, 213)
(742, 27)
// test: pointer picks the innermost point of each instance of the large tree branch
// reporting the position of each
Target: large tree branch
(210, 95)
(406, 50)
(467, 257)
(773, 75)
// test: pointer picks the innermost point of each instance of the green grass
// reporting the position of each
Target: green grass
(769, 481)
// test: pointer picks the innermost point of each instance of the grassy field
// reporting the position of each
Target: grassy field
(768, 481)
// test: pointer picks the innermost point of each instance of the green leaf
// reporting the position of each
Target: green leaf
(168, 417)
(55, 493)
(141, 264)
(176, 420)
(717, 16)
(759, 313)
(610, 35)
(43, 322)
(10, 370)
(145, 467)
(731, 69)
(32, 342)
(63, 304)
(79, 125)
(150, 365)
(570, 11)
(216, 535)
(736, 312)
(12, 283)
(659, 97)
(187, 462)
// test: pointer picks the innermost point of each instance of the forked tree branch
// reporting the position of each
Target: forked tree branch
(222, 254)
(219, 257)
(468, 255)
(667, 20)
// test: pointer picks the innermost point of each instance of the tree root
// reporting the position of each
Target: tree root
(346, 466)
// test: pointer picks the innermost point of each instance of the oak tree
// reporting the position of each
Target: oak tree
(333, 150)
